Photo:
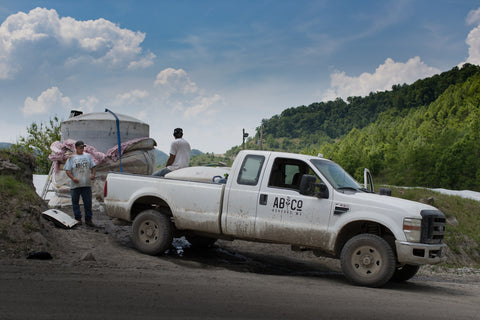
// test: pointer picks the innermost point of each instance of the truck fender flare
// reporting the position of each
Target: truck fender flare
(140, 201)
(355, 227)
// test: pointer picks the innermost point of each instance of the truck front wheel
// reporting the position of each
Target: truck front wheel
(367, 260)
(152, 232)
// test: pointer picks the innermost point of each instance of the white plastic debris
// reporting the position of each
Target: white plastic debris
(60, 217)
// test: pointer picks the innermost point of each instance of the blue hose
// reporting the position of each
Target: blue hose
(119, 140)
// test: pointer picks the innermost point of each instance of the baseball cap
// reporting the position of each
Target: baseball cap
(79, 143)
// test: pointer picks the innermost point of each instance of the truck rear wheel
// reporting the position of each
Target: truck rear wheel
(152, 232)
(367, 260)
(404, 273)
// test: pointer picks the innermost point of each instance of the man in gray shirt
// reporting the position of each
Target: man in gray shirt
(80, 169)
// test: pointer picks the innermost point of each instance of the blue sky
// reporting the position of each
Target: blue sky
(216, 67)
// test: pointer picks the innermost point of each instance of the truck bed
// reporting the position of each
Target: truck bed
(184, 197)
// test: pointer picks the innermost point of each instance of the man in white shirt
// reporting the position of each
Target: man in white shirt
(179, 154)
(80, 169)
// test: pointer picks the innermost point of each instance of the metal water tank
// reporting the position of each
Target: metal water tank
(99, 129)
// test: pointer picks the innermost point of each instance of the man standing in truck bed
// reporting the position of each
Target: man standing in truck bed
(179, 154)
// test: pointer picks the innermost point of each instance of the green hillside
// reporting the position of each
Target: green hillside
(431, 146)
(310, 126)
(421, 134)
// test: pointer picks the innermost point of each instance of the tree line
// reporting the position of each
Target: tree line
(423, 134)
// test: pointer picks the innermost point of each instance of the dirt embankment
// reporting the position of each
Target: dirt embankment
(21, 229)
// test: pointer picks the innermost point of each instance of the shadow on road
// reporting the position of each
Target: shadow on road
(242, 261)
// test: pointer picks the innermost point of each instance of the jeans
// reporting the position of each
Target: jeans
(162, 172)
(86, 193)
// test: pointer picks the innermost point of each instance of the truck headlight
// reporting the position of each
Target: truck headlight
(412, 228)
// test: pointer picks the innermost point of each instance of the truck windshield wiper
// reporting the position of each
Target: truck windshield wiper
(348, 188)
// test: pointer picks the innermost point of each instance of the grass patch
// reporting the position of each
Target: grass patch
(9, 186)
(12, 189)
(462, 233)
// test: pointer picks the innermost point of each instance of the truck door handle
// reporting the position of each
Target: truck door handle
(263, 199)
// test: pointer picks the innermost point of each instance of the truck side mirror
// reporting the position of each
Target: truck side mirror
(308, 185)
(323, 190)
(385, 192)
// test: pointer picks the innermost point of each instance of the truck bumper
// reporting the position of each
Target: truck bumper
(420, 253)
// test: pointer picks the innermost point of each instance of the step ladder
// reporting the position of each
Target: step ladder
(46, 187)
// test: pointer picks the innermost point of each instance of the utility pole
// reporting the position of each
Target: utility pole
(245, 135)
(261, 137)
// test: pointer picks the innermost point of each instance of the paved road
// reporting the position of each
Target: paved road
(190, 289)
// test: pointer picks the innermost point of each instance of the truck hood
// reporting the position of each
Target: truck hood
(386, 204)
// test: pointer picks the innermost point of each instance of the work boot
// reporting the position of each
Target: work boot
(90, 223)
(79, 221)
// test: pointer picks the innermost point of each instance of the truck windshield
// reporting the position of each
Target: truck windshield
(335, 174)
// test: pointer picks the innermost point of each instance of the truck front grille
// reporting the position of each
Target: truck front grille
(433, 226)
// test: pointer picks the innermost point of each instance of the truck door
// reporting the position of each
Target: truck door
(242, 197)
(283, 214)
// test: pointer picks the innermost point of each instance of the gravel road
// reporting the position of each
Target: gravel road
(96, 274)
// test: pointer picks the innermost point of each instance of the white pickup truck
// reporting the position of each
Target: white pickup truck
(305, 201)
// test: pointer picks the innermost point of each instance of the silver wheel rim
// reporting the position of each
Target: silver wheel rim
(148, 232)
(366, 261)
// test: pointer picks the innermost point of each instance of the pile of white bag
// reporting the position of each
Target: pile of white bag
(137, 156)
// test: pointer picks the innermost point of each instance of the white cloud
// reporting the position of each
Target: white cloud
(183, 95)
(131, 97)
(203, 107)
(384, 77)
(473, 17)
(175, 81)
(88, 104)
(473, 41)
(143, 63)
(49, 99)
(69, 42)
(473, 38)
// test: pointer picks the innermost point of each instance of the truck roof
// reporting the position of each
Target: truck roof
(304, 157)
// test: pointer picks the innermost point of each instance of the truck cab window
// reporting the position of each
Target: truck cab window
(287, 173)
(250, 170)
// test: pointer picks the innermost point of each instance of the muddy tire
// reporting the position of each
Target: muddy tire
(152, 232)
(367, 260)
(198, 242)
(404, 273)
